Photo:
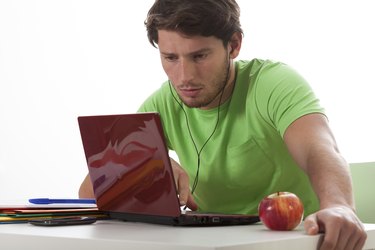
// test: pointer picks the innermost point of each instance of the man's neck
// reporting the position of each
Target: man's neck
(228, 89)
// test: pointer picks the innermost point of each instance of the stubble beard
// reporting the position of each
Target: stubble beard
(220, 84)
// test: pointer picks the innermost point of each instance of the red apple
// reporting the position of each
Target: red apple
(281, 211)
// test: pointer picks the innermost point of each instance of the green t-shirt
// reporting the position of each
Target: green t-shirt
(246, 158)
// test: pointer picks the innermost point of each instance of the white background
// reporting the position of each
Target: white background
(61, 59)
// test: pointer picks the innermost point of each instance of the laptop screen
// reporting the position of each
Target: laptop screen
(129, 164)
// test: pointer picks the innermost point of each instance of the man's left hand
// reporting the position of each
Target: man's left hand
(341, 227)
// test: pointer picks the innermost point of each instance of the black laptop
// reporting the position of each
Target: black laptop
(131, 172)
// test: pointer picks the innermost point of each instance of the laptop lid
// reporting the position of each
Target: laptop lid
(131, 173)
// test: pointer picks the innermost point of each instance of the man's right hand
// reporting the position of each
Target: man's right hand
(182, 183)
(86, 190)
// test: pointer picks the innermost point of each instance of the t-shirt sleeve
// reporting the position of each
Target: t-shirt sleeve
(154, 102)
(159, 102)
(283, 95)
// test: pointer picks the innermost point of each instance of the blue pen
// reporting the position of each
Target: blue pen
(54, 201)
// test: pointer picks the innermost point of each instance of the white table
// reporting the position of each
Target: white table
(115, 235)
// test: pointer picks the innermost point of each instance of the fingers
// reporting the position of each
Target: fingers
(344, 234)
(361, 242)
(182, 182)
(341, 227)
(186, 198)
(191, 203)
(356, 240)
(311, 225)
(331, 238)
(343, 239)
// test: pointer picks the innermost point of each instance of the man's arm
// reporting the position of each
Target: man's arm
(181, 179)
(182, 182)
(85, 190)
(312, 145)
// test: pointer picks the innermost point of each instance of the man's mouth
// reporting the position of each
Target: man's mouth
(190, 91)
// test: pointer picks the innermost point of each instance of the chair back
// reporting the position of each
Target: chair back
(363, 175)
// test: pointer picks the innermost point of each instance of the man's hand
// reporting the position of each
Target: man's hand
(182, 182)
(86, 190)
(341, 227)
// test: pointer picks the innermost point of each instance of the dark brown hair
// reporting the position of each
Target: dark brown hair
(219, 18)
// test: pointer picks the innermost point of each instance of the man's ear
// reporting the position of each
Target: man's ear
(234, 45)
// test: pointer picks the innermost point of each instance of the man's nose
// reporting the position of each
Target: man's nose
(186, 71)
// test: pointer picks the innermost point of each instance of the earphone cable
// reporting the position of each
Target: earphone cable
(198, 152)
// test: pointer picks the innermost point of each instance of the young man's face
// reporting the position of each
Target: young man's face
(196, 66)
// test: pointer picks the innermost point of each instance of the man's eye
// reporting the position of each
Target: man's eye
(170, 58)
(200, 56)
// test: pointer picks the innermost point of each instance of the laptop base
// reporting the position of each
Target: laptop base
(192, 219)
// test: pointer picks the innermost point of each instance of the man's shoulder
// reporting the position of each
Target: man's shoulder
(266, 72)
(161, 91)
(153, 101)
(257, 64)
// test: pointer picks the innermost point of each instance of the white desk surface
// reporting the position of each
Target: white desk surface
(115, 235)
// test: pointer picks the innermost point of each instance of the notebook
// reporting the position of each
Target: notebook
(131, 172)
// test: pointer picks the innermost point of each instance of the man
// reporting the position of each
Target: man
(243, 129)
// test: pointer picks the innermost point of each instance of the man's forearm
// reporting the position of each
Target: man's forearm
(312, 145)
(330, 177)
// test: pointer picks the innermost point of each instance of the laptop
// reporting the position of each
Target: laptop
(131, 172)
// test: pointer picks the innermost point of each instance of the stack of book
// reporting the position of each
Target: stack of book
(18, 212)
